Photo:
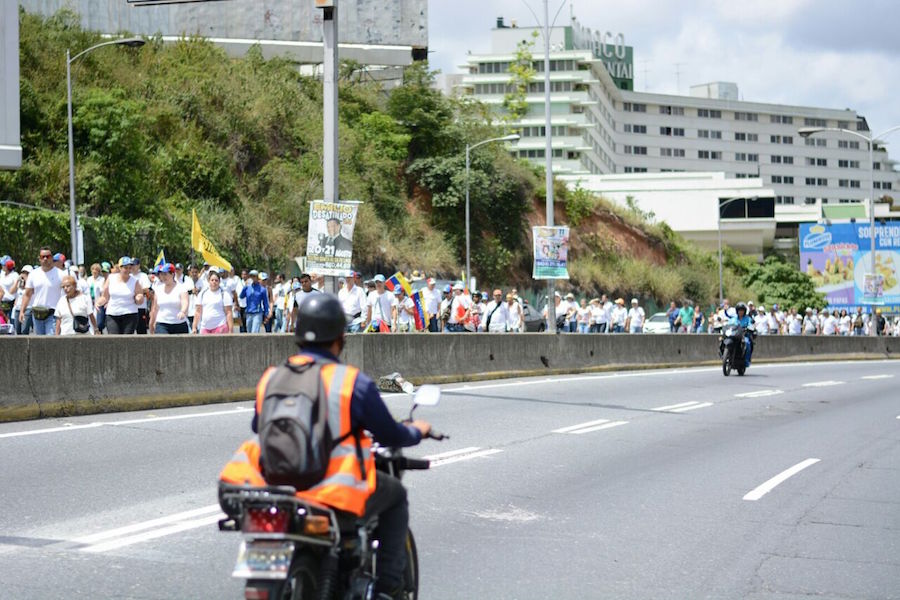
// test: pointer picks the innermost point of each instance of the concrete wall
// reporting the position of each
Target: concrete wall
(80, 375)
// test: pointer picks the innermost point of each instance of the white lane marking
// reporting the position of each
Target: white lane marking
(579, 426)
(153, 418)
(652, 373)
(769, 485)
(599, 427)
(153, 534)
(828, 383)
(694, 407)
(49, 430)
(674, 406)
(877, 377)
(134, 527)
(452, 453)
(759, 394)
(477, 453)
(148, 419)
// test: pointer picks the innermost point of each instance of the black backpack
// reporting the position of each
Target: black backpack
(294, 437)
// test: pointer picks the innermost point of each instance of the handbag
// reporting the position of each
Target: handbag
(80, 324)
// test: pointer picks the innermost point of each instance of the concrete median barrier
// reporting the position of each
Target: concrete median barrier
(51, 376)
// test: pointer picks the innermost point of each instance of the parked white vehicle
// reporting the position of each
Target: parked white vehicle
(657, 323)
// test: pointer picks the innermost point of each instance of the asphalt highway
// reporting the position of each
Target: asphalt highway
(783, 484)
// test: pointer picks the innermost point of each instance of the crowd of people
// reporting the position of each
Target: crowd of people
(56, 298)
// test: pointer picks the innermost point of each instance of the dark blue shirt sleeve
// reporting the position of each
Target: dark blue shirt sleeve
(367, 410)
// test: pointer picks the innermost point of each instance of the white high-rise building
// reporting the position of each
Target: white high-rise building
(601, 126)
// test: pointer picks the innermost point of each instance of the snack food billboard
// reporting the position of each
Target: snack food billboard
(838, 259)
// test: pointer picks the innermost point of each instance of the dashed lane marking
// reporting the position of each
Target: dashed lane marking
(590, 426)
(759, 394)
(683, 407)
(769, 485)
(828, 383)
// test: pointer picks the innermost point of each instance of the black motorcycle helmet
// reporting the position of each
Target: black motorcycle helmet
(320, 319)
(740, 307)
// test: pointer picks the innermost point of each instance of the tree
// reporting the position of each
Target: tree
(522, 72)
(775, 281)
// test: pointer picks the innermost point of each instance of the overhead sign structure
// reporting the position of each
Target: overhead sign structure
(10, 141)
(838, 259)
(551, 252)
(329, 243)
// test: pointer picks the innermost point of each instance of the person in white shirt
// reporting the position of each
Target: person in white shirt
(381, 311)
(829, 323)
(9, 285)
(597, 314)
(121, 296)
(143, 279)
(43, 289)
(619, 316)
(18, 307)
(460, 309)
(170, 303)
(432, 301)
(516, 314)
(279, 294)
(583, 316)
(353, 299)
(214, 308)
(496, 314)
(794, 323)
(845, 323)
(72, 304)
(560, 314)
(635, 323)
(405, 311)
(772, 322)
(444, 314)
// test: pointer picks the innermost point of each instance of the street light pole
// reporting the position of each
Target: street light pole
(73, 220)
(506, 138)
(808, 131)
(719, 229)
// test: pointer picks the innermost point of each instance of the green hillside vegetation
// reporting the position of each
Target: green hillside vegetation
(165, 128)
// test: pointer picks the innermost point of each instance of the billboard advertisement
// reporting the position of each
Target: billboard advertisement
(551, 252)
(329, 245)
(838, 259)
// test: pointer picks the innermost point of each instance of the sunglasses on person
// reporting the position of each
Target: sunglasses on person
(43, 256)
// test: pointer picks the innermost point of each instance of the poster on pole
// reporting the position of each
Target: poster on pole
(551, 252)
(838, 258)
(329, 243)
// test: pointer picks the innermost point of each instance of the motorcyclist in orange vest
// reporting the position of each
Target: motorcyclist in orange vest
(320, 336)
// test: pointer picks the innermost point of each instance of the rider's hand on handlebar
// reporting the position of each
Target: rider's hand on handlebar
(422, 426)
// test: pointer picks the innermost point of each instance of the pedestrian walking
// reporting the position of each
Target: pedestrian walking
(257, 297)
(635, 322)
(43, 289)
(74, 311)
(170, 306)
(122, 293)
(497, 317)
(214, 308)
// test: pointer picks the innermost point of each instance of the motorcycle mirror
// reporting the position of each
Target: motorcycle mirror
(427, 395)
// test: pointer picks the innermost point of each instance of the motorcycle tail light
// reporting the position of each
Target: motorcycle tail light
(252, 593)
(269, 519)
(316, 525)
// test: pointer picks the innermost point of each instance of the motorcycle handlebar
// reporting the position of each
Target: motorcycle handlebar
(414, 464)
(434, 435)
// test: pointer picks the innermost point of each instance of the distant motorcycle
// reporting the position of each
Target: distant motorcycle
(732, 348)
(294, 549)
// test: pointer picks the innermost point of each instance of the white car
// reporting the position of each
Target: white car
(657, 323)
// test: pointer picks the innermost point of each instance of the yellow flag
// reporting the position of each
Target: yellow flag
(201, 244)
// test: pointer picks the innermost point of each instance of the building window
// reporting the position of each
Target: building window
(676, 131)
(781, 119)
(743, 156)
(809, 200)
(847, 144)
(709, 114)
(776, 179)
(809, 122)
(848, 164)
(640, 150)
(709, 134)
(671, 110)
(629, 128)
(781, 139)
(784, 199)
(817, 142)
(816, 162)
(709, 154)
(746, 116)
(816, 181)
(843, 124)
(746, 137)
(635, 107)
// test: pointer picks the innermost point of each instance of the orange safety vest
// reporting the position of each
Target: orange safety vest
(344, 486)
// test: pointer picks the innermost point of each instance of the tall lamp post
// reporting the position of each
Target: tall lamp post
(719, 229)
(506, 138)
(73, 223)
(870, 140)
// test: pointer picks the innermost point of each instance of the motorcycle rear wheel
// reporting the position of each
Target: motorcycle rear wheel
(301, 583)
(411, 574)
(726, 366)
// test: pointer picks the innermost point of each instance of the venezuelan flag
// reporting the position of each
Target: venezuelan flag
(397, 280)
(160, 259)
(420, 316)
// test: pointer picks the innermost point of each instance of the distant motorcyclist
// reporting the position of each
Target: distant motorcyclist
(743, 320)
(320, 336)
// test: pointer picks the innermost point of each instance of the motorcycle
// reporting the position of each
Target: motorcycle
(294, 549)
(732, 348)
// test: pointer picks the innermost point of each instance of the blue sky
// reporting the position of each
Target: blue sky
(823, 53)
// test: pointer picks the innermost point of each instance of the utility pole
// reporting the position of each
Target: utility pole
(330, 107)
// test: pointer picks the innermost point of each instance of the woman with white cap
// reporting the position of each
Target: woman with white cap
(121, 296)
